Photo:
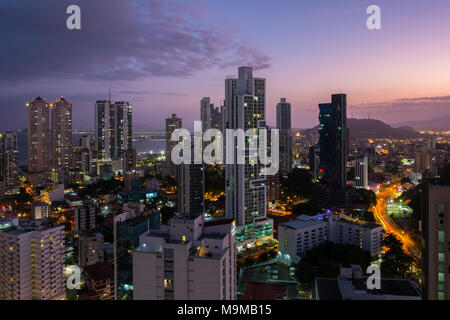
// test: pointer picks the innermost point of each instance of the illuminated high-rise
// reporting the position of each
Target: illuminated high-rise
(38, 136)
(362, 172)
(245, 185)
(32, 262)
(113, 129)
(61, 134)
(9, 159)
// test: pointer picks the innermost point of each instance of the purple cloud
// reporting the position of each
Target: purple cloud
(119, 40)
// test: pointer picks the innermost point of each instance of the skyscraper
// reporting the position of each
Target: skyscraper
(172, 124)
(113, 129)
(191, 189)
(362, 172)
(333, 140)
(9, 159)
(245, 186)
(284, 126)
(210, 116)
(61, 134)
(38, 136)
(436, 233)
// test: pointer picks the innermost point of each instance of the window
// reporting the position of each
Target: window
(441, 257)
(441, 236)
(168, 253)
(441, 277)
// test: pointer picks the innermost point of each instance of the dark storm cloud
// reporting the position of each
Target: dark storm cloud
(119, 40)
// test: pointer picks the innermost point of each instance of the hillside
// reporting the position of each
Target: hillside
(370, 128)
(442, 123)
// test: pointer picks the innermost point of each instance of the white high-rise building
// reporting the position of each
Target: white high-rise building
(192, 260)
(32, 262)
(245, 185)
(362, 172)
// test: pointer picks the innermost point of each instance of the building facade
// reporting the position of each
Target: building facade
(193, 260)
(90, 248)
(191, 189)
(245, 186)
(32, 262)
(113, 129)
(61, 134)
(38, 136)
(210, 116)
(284, 127)
(172, 124)
(436, 233)
(333, 140)
(298, 236)
(362, 172)
(9, 159)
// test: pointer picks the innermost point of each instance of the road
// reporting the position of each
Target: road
(380, 213)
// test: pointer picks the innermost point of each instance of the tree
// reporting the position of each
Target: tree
(298, 183)
(166, 213)
(326, 259)
(405, 180)
(395, 262)
(214, 182)
(310, 208)
(366, 196)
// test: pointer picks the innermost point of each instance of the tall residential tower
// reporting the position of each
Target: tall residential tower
(38, 136)
(113, 129)
(61, 134)
(245, 185)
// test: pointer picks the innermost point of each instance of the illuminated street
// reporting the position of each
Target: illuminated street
(380, 213)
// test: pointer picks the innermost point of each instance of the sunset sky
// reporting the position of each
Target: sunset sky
(164, 56)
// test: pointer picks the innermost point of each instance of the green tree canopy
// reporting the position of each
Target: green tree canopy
(395, 262)
(298, 183)
(325, 261)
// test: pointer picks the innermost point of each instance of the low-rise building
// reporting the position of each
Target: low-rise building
(351, 284)
(193, 259)
(298, 236)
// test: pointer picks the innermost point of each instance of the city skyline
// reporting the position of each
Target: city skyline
(384, 71)
(289, 150)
